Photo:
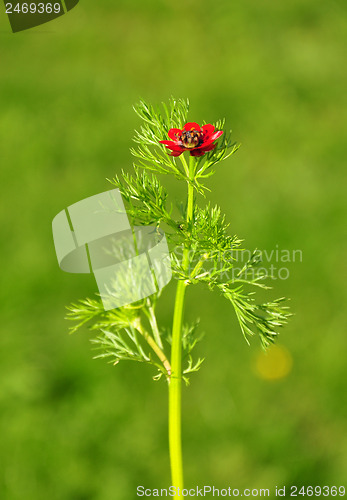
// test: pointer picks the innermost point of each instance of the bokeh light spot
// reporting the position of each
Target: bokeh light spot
(274, 364)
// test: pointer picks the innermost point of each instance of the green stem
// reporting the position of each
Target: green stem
(154, 325)
(185, 165)
(199, 265)
(175, 386)
(151, 342)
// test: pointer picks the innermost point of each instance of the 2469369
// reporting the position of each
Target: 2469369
(33, 8)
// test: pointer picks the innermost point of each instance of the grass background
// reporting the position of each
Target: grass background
(77, 429)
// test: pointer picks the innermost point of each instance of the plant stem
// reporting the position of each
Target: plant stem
(154, 325)
(175, 386)
(199, 265)
(151, 342)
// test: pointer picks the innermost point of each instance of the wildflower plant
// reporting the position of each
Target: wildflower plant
(200, 250)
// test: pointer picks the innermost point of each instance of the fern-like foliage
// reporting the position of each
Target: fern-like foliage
(156, 124)
(132, 332)
(146, 198)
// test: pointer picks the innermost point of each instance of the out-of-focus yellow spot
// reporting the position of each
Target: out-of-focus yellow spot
(274, 364)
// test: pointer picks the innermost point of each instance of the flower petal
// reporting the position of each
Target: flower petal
(204, 144)
(216, 135)
(197, 152)
(167, 143)
(170, 144)
(209, 147)
(173, 146)
(176, 153)
(209, 140)
(208, 129)
(192, 125)
(201, 151)
(174, 133)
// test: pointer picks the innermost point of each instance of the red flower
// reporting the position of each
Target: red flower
(193, 138)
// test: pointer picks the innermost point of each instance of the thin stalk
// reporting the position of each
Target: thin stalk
(185, 165)
(199, 265)
(154, 346)
(154, 325)
(175, 386)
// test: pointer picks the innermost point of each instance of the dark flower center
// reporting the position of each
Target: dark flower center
(191, 138)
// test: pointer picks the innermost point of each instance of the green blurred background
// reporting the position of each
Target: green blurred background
(73, 428)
